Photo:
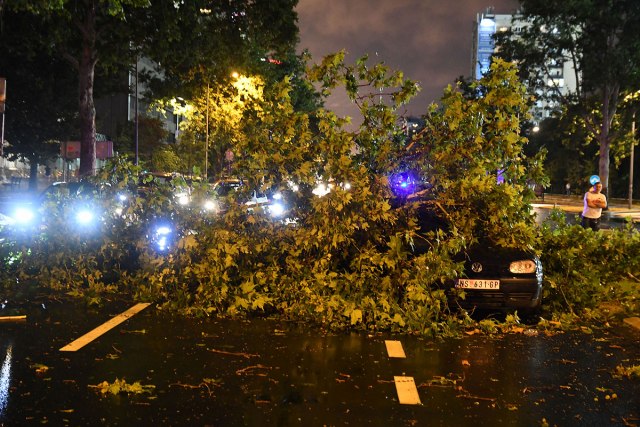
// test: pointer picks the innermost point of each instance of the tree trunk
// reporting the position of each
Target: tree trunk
(87, 121)
(603, 163)
(33, 174)
(86, 71)
(609, 106)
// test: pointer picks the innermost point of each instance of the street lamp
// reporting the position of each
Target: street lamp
(632, 97)
(136, 123)
(206, 142)
(633, 142)
(3, 91)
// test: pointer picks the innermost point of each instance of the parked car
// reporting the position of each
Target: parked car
(499, 279)
(172, 185)
(493, 278)
(31, 211)
(225, 190)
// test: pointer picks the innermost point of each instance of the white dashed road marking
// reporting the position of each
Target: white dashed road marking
(407, 391)
(394, 349)
(105, 327)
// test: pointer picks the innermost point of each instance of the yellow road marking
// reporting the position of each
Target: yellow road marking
(13, 318)
(407, 391)
(394, 349)
(105, 327)
(633, 321)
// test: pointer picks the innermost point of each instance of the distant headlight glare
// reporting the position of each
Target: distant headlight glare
(210, 205)
(163, 230)
(276, 209)
(84, 217)
(183, 199)
(24, 215)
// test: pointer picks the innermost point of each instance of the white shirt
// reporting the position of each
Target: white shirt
(589, 212)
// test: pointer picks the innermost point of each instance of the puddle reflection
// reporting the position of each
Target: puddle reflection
(5, 380)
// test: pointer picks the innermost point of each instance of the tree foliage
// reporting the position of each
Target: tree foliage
(477, 163)
(343, 260)
(40, 108)
(600, 40)
(201, 42)
(190, 41)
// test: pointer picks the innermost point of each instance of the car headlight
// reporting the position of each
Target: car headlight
(162, 237)
(24, 216)
(163, 230)
(276, 209)
(85, 217)
(183, 198)
(523, 266)
(321, 190)
(210, 206)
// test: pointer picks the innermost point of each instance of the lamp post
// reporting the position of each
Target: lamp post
(633, 142)
(136, 113)
(632, 97)
(3, 92)
(206, 141)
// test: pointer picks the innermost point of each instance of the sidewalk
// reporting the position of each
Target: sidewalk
(618, 208)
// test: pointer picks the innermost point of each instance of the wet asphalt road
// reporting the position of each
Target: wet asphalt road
(268, 373)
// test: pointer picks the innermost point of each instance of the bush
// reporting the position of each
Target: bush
(583, 268)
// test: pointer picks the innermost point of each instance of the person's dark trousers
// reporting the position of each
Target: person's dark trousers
(592, 223)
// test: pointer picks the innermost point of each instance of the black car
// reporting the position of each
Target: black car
(498, 278)
(27, 212)
(493, 278)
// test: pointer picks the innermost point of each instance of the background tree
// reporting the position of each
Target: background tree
(152, 137)
(600, 39)
(569, 157)
(83, 32)
(191, 41)
(41, 110)
(201, 42)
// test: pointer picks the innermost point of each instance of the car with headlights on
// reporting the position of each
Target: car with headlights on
(173, 186)
(230, 190)
(77, 204)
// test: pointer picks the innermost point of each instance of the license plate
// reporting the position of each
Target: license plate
(478, 284)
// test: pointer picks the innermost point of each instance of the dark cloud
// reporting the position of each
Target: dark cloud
(429, 40)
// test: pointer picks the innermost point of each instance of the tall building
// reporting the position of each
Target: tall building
(560, 75)
(116, 110)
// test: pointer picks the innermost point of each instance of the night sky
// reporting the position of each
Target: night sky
(429, 40)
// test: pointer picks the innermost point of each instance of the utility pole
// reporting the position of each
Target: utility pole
(3, 95)
(633, 142)
(136, 112)
(206, 142)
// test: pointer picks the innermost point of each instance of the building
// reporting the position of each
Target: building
(560, 75)
(113, 112)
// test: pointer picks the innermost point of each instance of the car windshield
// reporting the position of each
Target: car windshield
(72, 189)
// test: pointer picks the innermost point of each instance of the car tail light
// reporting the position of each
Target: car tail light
(523, 266)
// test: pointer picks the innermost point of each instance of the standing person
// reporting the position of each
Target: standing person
(594, 201)
(567, 188)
